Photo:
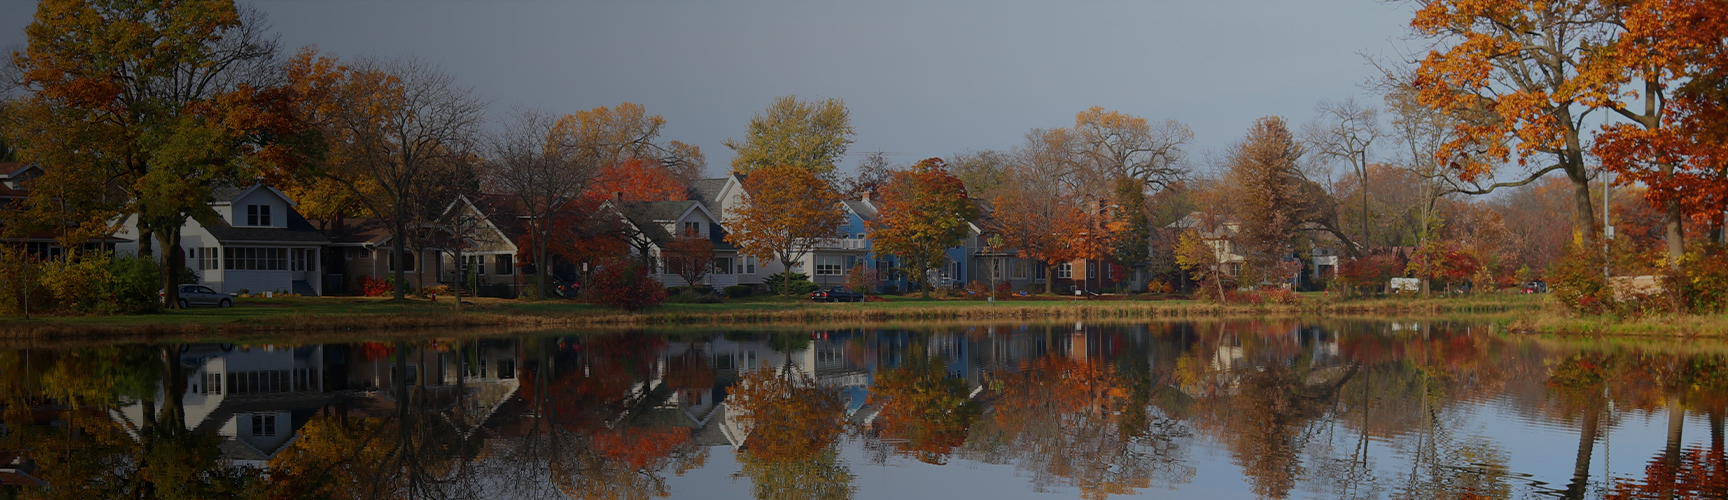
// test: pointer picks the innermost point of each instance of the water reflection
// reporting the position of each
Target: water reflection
(1258, 409)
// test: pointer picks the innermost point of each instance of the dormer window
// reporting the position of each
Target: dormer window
(692, 229)
(257, 215)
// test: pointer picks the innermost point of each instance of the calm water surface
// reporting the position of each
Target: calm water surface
(1252, 409)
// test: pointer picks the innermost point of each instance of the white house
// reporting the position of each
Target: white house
(653, 225)
(259, 243)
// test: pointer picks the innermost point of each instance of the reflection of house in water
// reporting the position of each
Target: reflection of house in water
(256, 398)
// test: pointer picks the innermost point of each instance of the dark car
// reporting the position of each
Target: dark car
(1536, 286)
(836, 294)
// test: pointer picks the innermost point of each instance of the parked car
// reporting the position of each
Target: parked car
(836, 294)
(1535, 286)
(200, 295)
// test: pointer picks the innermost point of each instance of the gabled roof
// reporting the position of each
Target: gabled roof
(648, 216)
(362, 231)
(298, 231)
(708, 190)
(864, 209)
(225, 195)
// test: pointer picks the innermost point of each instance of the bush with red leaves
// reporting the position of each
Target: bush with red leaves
(624, 285)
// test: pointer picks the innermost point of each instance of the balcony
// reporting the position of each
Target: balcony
(858, 244)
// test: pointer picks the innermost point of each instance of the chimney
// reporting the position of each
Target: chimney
(866, 196)
(618, 196)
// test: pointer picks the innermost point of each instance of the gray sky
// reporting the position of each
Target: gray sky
(921, 78)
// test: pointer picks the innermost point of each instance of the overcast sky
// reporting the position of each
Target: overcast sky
(921, 78)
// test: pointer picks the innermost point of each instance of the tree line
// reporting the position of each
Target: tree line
(140, 110)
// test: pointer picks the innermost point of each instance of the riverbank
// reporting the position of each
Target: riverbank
(327, 314)
(1559, 323)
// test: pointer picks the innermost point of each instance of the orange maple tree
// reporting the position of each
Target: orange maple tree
(923, 211)
(1670, 52)
(1508, 71)
(790, 417)
(786, 214)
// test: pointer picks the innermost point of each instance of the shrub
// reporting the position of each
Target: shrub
(978, 290)
(1703, 282)
(736, 291)
(435, 290)
(624, 285)
(1577, 282)
(1159, 287)
(1367, 274)
(790, 283)
(369, 286)
(133, 286)
(77, 285)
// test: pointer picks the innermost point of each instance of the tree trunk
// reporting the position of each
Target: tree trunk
(541, 269)
(1049, 278)
(171, 264)
(1676, 250)
(461, 279)
(396, 249)
(1584, 212)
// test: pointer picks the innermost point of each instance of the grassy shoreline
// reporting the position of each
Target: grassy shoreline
(338, 314)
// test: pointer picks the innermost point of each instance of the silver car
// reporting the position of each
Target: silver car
(199, 295)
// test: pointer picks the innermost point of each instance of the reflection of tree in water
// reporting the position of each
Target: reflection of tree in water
(588, 428)
(1061, 419)
(792, 426)
(91, 454)
(922, 407)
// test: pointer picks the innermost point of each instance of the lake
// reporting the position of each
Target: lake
(1223, 409)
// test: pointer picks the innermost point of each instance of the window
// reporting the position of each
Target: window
(504, 264)
(478, 264)
(298, 259)
(202, 259)
(263, 425)
(851, 262)
(828, 265)
(749, 264)
(255, 259)
(213, 383)
(257, 215)
(692, 229)
(1064, 271)
(722, 265)
(506, 368)
(408, 258)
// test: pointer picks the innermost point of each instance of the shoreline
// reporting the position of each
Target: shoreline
(379, 317)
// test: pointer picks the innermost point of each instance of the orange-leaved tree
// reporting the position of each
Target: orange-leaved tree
(610, 136)
(1509, 72)
(1660, 74)
(786, 213)
(924, 210)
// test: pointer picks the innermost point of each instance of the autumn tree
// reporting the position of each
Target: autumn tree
(1203, 257)
(787, 211)
(1509, 73)
(985, 173)
(1132, 246)
(1272, 198)
(607, 136)
(874, 172)
(812, 136)
(689, 257)
(390, 126)
(541, 178)
(1661, 74)
(1110, 145)
(158, 101)
(924, 210)
(1345, 132)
